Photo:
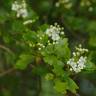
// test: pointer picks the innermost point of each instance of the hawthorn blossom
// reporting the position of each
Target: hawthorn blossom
(78, 61)
(54, 32)
(20, 9)
(77, 66)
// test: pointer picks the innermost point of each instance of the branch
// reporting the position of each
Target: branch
(7, 72)
(6, 49)
(11, 70)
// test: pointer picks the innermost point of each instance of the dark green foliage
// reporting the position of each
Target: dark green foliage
(24, 65)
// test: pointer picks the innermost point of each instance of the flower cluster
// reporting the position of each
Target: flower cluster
(67, 3)
(54, 32)
(20, 8)
(79, 51)
(77, 62)
(40, 46)
(51, 36)
(77, 66)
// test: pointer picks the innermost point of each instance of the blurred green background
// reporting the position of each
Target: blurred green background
(78, 17)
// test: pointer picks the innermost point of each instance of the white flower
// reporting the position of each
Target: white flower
(39, 48)
(77, 66)
(62, 33)
(48, 32)
(15, 6)
(43, 46)
(23, 13)
(77, 62)
(81, 62)
(74, 54)
(20, 9)
(81, 50)
(27, 22)
(54, 32)
(55, 37)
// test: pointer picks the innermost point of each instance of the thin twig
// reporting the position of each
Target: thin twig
(6, 72)
(6, 49)
(11, 70)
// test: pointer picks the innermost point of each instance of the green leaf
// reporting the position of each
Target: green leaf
(43, 27)
(56, 63)
(60, 86)
(58, 70)
(18, 27)
(71, 85)
(40, 70)
(30, 36)
(62, 49)
(49, 50)
(49, 76)
(24, 60)
(51, 60)
(90, 66)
